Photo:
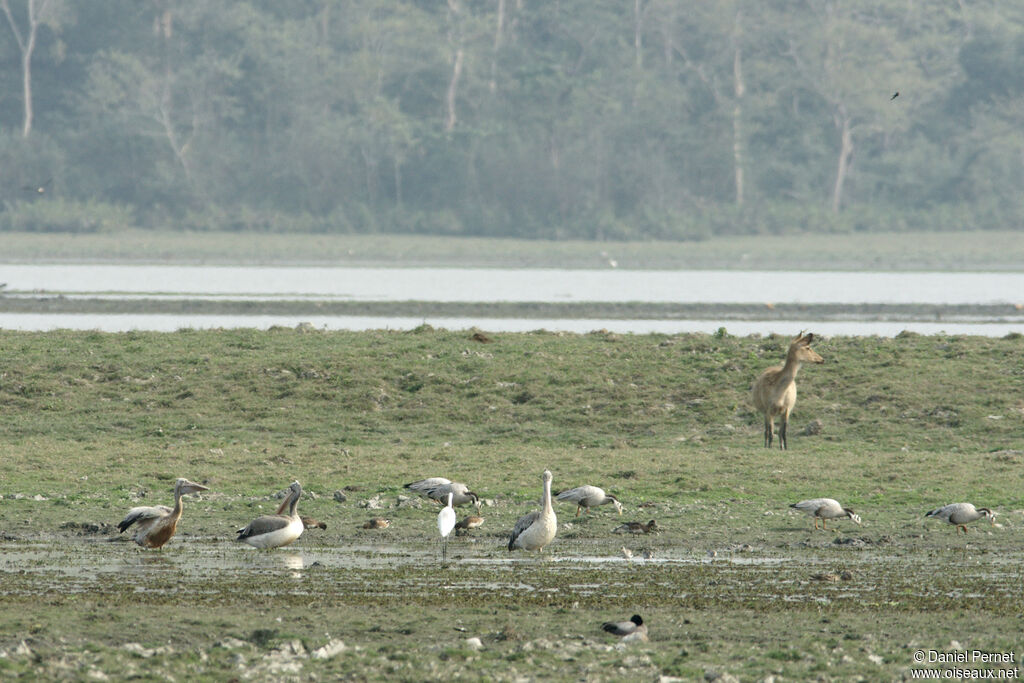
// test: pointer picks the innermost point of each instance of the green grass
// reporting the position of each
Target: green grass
(983, 251)
(93, 421)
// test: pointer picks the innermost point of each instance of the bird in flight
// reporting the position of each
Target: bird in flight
(38, 189)
(894, 95)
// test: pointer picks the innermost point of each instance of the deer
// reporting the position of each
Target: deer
(774, 392)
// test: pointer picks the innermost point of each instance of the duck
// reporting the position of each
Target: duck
(635, 528)
(537, 529)
(825, 509)
(961, 514)
(587, 497)
(377, 523)
(275, 531)
(468, 522)
(437, 489)
(156, 525)
(630, 631)
(307, 522)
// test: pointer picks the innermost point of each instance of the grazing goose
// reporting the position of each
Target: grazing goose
(274, 531)
(377, 523)
(961, 514)
(632, 630)
(825, 509)
(158, 523)
(537, 529)
(445, 524)
(438, 488)
(468, 522)
(635, 528)
(587, 497)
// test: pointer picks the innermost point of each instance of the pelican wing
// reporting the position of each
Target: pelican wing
(263, 525)
(141, 514)
(524, 523)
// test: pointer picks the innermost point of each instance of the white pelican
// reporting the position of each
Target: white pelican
(537, 529)
(960, 514)
(630, 631)
(445, 524)
(468, 522)
(587, 497)
(157, 524)
(274, 531)
(438, 488)
(635, 528)
(825, 509)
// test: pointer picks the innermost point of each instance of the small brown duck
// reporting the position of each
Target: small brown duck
(377, 523)
(635, 528)
(468, 522)
(310, 523)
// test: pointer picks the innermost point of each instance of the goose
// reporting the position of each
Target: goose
(587, 497)
(630, 631)
(635, 528)
(307, 522)
(961, 514)
(274, 531)
(825, 509)
(158, 523)
(468, 522)
(537, 529)
(445, 524)
(438, 488)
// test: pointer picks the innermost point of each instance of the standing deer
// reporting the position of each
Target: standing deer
(774, 392)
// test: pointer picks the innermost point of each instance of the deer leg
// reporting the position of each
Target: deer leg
(782, 432)
(769, 427)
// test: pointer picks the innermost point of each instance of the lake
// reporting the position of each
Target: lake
(503, 285)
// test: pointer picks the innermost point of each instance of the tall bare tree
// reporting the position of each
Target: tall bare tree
(38, 12)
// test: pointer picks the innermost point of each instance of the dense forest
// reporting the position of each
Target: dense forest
(602, 119)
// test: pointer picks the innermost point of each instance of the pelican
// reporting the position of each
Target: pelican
(825, 509)
(468, 522)
(630, 631)
(157, 524)
(445, 524)
(635, 528)
(537, 529)
(438, 488)
(274, 531)
(587, 497)
(961, 513)
(377, 523)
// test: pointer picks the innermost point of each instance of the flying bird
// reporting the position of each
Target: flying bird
(894, 95)
(156, 525)
(38, 189)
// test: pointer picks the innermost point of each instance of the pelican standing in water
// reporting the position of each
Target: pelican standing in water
(156, 525)
(587, 497)
(537, 529)
(274, 531)
(961, 514)
(445, 524)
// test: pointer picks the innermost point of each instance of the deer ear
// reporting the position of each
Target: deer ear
(809, 337)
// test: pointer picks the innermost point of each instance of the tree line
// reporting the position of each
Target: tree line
(592, 119)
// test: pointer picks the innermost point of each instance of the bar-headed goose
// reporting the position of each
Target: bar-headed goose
(825, 509)
(438, 488)
(156, 524)
(537, 529)
(961, 514)
(587, 497)
(274, 531)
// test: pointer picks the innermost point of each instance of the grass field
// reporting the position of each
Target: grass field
(95, 423)
(981, 251)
